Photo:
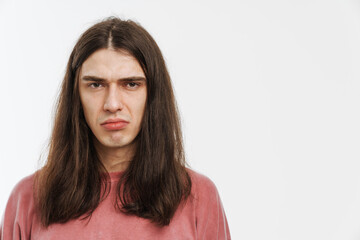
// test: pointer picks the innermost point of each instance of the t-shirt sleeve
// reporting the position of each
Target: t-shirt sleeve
(211, 222)
(15, 220)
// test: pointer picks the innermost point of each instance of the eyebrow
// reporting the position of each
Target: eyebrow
(98, 79)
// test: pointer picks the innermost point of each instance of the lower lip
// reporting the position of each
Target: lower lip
(115, 125)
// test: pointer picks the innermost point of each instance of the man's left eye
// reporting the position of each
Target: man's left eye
(132, 85)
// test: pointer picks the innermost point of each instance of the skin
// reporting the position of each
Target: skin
(120, 94)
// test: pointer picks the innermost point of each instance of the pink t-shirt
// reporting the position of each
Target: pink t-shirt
(200, 217)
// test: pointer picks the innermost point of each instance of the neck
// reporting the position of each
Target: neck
(115, 159)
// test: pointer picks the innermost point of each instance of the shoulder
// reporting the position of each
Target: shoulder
(19, 210)
(201, 184)
(198, 177)
(21, 200)
(23, 191)
(24, 186)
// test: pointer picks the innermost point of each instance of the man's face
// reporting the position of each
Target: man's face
(112, 87)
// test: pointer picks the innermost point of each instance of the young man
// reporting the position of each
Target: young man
(116, 167)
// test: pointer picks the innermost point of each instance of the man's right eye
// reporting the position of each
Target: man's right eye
(94, 85)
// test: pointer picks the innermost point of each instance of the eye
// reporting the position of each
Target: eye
(132, 85)
(94, 85)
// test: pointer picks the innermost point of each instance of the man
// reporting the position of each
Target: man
(116, 167)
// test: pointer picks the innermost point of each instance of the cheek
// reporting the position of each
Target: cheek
(89, 111)
(141, 107)
(86, 114)
(137, 109)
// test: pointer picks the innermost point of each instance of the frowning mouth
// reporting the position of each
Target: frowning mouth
(114, 124)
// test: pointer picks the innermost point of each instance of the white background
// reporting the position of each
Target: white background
(269, 94)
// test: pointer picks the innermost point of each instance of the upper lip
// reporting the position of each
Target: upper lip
(114, 120)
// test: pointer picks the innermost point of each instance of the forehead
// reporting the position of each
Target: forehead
(110, 63)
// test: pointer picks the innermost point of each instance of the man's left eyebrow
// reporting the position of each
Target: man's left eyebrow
(98, 79)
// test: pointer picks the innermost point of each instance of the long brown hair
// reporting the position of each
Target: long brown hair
(72, 182)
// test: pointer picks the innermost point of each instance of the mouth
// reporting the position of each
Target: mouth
(114, 124)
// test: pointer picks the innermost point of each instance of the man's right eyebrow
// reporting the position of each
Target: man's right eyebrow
(93, 78)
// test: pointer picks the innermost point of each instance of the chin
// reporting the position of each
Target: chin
(115, 143)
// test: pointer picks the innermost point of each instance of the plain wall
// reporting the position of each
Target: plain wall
(269, 94)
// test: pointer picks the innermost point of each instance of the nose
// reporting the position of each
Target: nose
(114, 100)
